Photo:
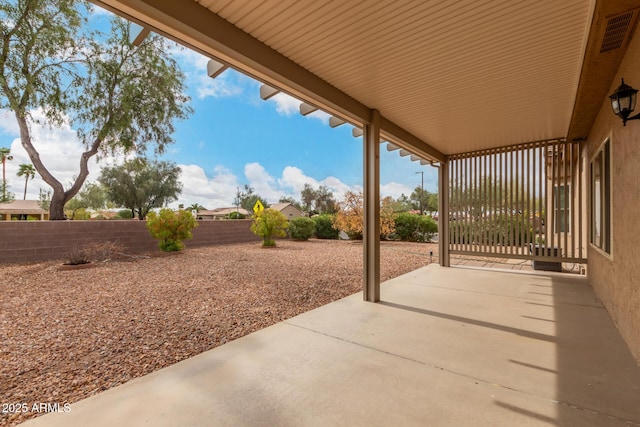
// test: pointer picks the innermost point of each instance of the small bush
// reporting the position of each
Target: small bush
(428, 227)
(171, 228)
(324, 227)
(414, 228)
(105, 251)
(77, 256)
(236, 215)
(124, 214)
(269, 224)
(301, 228)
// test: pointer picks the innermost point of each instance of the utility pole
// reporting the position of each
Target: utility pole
(421, 192)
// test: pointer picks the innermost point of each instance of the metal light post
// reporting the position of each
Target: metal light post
(421, 192)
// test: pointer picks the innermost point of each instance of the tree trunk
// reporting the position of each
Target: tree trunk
(56, 208)
(59, 197)
(26, 181)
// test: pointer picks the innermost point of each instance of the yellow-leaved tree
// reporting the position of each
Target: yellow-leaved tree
(349, 216)
(270, 224)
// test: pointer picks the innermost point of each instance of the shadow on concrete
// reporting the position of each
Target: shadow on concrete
(471, 321)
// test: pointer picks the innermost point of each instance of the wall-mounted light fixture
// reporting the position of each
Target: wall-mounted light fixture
(623, 102)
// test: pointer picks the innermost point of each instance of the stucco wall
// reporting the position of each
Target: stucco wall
(616, 278)
(23, 241)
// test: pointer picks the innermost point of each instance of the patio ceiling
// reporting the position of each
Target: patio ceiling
(447, 77)
(459, 75)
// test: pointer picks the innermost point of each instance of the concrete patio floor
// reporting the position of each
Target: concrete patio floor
(445, 347)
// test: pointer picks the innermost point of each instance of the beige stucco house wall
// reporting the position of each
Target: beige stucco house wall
(616, 277)
(288, 210)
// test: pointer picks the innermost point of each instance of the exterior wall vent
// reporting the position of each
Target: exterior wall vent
(617, 31)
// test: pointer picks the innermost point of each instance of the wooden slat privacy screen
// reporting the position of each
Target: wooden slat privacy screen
(523, 202)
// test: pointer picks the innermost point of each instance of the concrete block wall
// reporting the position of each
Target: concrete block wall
(25, 241)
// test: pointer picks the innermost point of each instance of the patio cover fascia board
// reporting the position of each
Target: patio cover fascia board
(189, 23)
(599, 68)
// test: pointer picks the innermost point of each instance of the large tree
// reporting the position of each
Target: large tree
(118, 96)
(318, 201)
(141, 185)
(429, 200)
(349, 215)
(29, 172)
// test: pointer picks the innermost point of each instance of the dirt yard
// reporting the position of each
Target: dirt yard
(67, 335)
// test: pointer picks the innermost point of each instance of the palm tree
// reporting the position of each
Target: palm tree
(196, 207)
(5, 154)
(28, 171)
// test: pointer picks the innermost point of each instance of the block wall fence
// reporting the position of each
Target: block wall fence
(26, 241)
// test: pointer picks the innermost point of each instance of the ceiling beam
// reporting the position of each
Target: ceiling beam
(191, 24)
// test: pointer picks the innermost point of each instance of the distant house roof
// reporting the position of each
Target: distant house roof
(105, 214)
(18, 207)
(282, 206)
(220, 212)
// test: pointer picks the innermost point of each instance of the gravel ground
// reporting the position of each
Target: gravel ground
(67, 335)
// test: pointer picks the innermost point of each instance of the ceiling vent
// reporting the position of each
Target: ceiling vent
(618, 31)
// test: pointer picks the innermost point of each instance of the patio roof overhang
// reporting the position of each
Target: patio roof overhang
(446, 78)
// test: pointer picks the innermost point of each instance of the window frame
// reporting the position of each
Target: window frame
(600, 229)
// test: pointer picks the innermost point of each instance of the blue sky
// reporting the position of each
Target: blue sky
(235, 138)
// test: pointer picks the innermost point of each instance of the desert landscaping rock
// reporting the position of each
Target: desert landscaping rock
(67, 335)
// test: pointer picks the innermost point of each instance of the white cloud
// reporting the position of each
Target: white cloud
(293, 179)
(218, 191)
(395, 190)
(320, 115)
(291, 183)
(216, 88)
(263, 183)
(8, 123)
(285, 105)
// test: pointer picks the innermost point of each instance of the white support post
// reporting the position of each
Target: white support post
(371, 234)
(443, 215)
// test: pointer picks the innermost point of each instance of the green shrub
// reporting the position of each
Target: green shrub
(269, 224)
(124, 214)
(415, 228)
(301, 228)
(407, 226)
(171, 228)
(501, 229)
(428, 227)
(324, 227)
(236, 215)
